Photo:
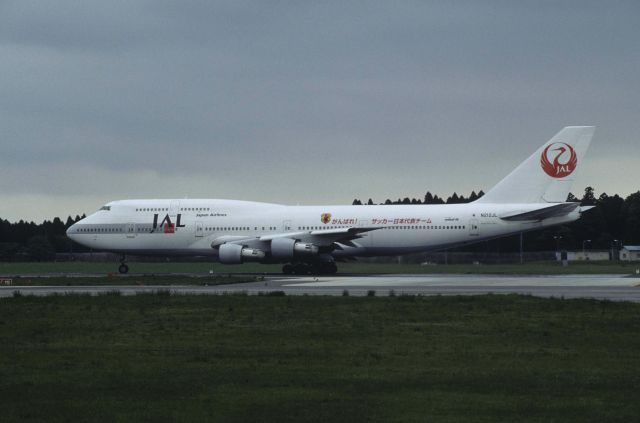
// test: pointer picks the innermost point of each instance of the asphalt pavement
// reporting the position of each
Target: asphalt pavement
(610, 287)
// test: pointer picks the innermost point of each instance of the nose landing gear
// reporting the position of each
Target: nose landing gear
(123, 269)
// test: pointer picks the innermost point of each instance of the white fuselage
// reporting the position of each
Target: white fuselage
(189, 227)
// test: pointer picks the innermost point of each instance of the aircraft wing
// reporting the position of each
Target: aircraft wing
(230, 239)
(325, 237)
(555, 210)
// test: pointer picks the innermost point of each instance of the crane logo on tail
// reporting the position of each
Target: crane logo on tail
(557, 168)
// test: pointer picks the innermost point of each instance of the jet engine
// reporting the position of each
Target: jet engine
(287, 248)
(237, 254)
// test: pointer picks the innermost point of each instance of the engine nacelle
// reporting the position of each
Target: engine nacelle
(287, 248)
(237, 254)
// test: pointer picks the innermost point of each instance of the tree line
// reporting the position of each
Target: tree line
(30, 241)
(614, 221)
(427, 199)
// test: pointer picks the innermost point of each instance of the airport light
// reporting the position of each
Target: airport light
(614, 244)
(557, 238)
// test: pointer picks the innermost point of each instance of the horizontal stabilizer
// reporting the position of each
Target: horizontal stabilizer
(543, 213)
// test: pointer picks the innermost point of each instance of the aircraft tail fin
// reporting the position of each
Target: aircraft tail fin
(548, 174)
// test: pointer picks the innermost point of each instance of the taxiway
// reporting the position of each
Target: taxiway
(609, 287)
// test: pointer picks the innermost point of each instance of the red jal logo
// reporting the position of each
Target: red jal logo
(556, 168)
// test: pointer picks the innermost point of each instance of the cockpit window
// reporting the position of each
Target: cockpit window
(105, 208)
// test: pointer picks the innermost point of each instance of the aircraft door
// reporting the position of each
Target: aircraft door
(474, 227)
(131, 230)
(174, 207)
(286, 226)
(199, 230)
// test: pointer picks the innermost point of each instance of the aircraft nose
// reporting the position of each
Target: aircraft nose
(72, 231)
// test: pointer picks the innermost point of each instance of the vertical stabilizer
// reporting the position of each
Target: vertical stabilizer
(547, 175)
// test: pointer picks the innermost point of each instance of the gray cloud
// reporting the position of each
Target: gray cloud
(297, 102)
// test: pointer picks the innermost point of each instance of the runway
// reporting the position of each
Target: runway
(609, 287)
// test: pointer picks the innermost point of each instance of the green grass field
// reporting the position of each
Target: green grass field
(155, 358)
(203, 267)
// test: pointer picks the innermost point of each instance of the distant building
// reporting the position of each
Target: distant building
(630, 253)
(589, 255)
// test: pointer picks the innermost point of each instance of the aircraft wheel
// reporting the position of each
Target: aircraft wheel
(288, 269)
(123, 268)
(301, 269)
(328, 268)
(316, 269)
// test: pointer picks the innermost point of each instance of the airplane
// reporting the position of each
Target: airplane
(311, 239)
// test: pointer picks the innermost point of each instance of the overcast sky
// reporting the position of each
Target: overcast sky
(305, 102)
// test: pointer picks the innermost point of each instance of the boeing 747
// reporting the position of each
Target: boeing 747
(310, 239)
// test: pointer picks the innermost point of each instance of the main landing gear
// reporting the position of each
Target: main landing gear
(322, 268)
(123, 269)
